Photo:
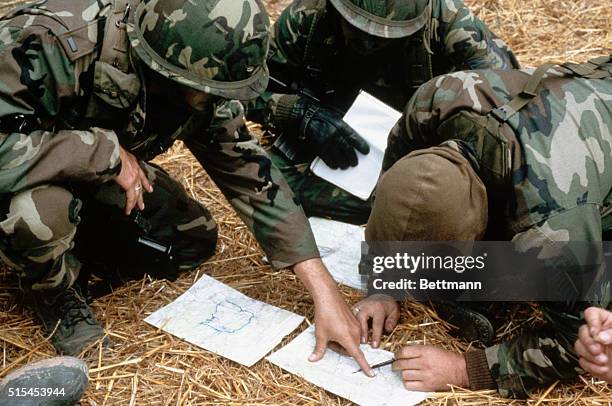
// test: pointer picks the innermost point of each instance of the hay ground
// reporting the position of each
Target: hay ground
(148, 366)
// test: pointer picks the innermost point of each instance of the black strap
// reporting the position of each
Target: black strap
(419, 63)
(315, 49)
(311, 111)
(19, 123)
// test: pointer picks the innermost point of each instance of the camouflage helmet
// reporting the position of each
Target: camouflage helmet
(386, 18)
(215, 46)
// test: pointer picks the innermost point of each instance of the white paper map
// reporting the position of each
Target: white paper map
(340, 248)
(220, 319)
(373, 120)
(335, 373)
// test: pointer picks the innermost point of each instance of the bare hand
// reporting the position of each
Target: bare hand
(383, 310)
(429, 368)
(594, 344)
(132, 180)
(335, 324)
(599, 321)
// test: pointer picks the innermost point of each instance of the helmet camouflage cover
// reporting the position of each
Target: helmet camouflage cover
(386, 18)
(215, 46)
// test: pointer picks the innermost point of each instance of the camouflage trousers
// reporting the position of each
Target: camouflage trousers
(49, 232)
(538, 358)
(318, 197)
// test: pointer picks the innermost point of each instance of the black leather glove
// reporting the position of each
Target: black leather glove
(322, 133)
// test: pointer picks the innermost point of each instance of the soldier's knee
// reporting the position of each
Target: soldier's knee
(41, 216)
(196, 240)
(200, 235)
(180, 220)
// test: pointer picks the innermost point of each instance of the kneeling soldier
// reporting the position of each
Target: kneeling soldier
(499, 155)
(90, 91)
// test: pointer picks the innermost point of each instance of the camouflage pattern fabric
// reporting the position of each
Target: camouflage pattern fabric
(177, 221)
(37, 233)
(309, 55)
(253, 185)
(63, 115)
(320, 198)
(42, 226)
(230, 63)
(559, 149)
(320, 61)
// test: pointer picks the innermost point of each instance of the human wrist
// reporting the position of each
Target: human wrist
(463, 377)
(316, 279)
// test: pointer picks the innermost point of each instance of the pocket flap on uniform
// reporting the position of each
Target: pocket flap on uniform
(115, 87)
(492, 150)
(77, 42)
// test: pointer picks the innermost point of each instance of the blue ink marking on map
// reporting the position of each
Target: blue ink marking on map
(228, 317)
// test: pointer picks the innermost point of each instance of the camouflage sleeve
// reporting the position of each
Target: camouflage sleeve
(539, 357)
(254, 187)
(429, 116)
(467, 40)
(41, 157)
(290, 34)
(36, 81)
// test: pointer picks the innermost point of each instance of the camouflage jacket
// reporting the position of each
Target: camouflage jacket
(548, 174)
(308, 52)
(64, 112)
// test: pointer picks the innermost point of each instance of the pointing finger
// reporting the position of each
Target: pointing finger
(357, 354)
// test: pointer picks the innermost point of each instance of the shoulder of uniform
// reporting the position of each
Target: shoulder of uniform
(75, 24)
(446, 10)
(447, 5)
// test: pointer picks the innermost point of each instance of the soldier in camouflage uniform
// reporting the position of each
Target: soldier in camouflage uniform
(90, 91)
(325, 51)
(500, 155)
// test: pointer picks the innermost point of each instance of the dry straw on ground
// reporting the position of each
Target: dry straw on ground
(150, 367)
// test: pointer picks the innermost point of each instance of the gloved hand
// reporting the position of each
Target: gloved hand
(323, 133)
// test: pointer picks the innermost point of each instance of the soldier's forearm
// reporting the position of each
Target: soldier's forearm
(258, 192)
(30, 160)
(471, 44)
(317, 279)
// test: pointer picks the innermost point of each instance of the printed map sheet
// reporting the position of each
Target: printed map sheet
(340, 248)
(335, 373)
(220, 319)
